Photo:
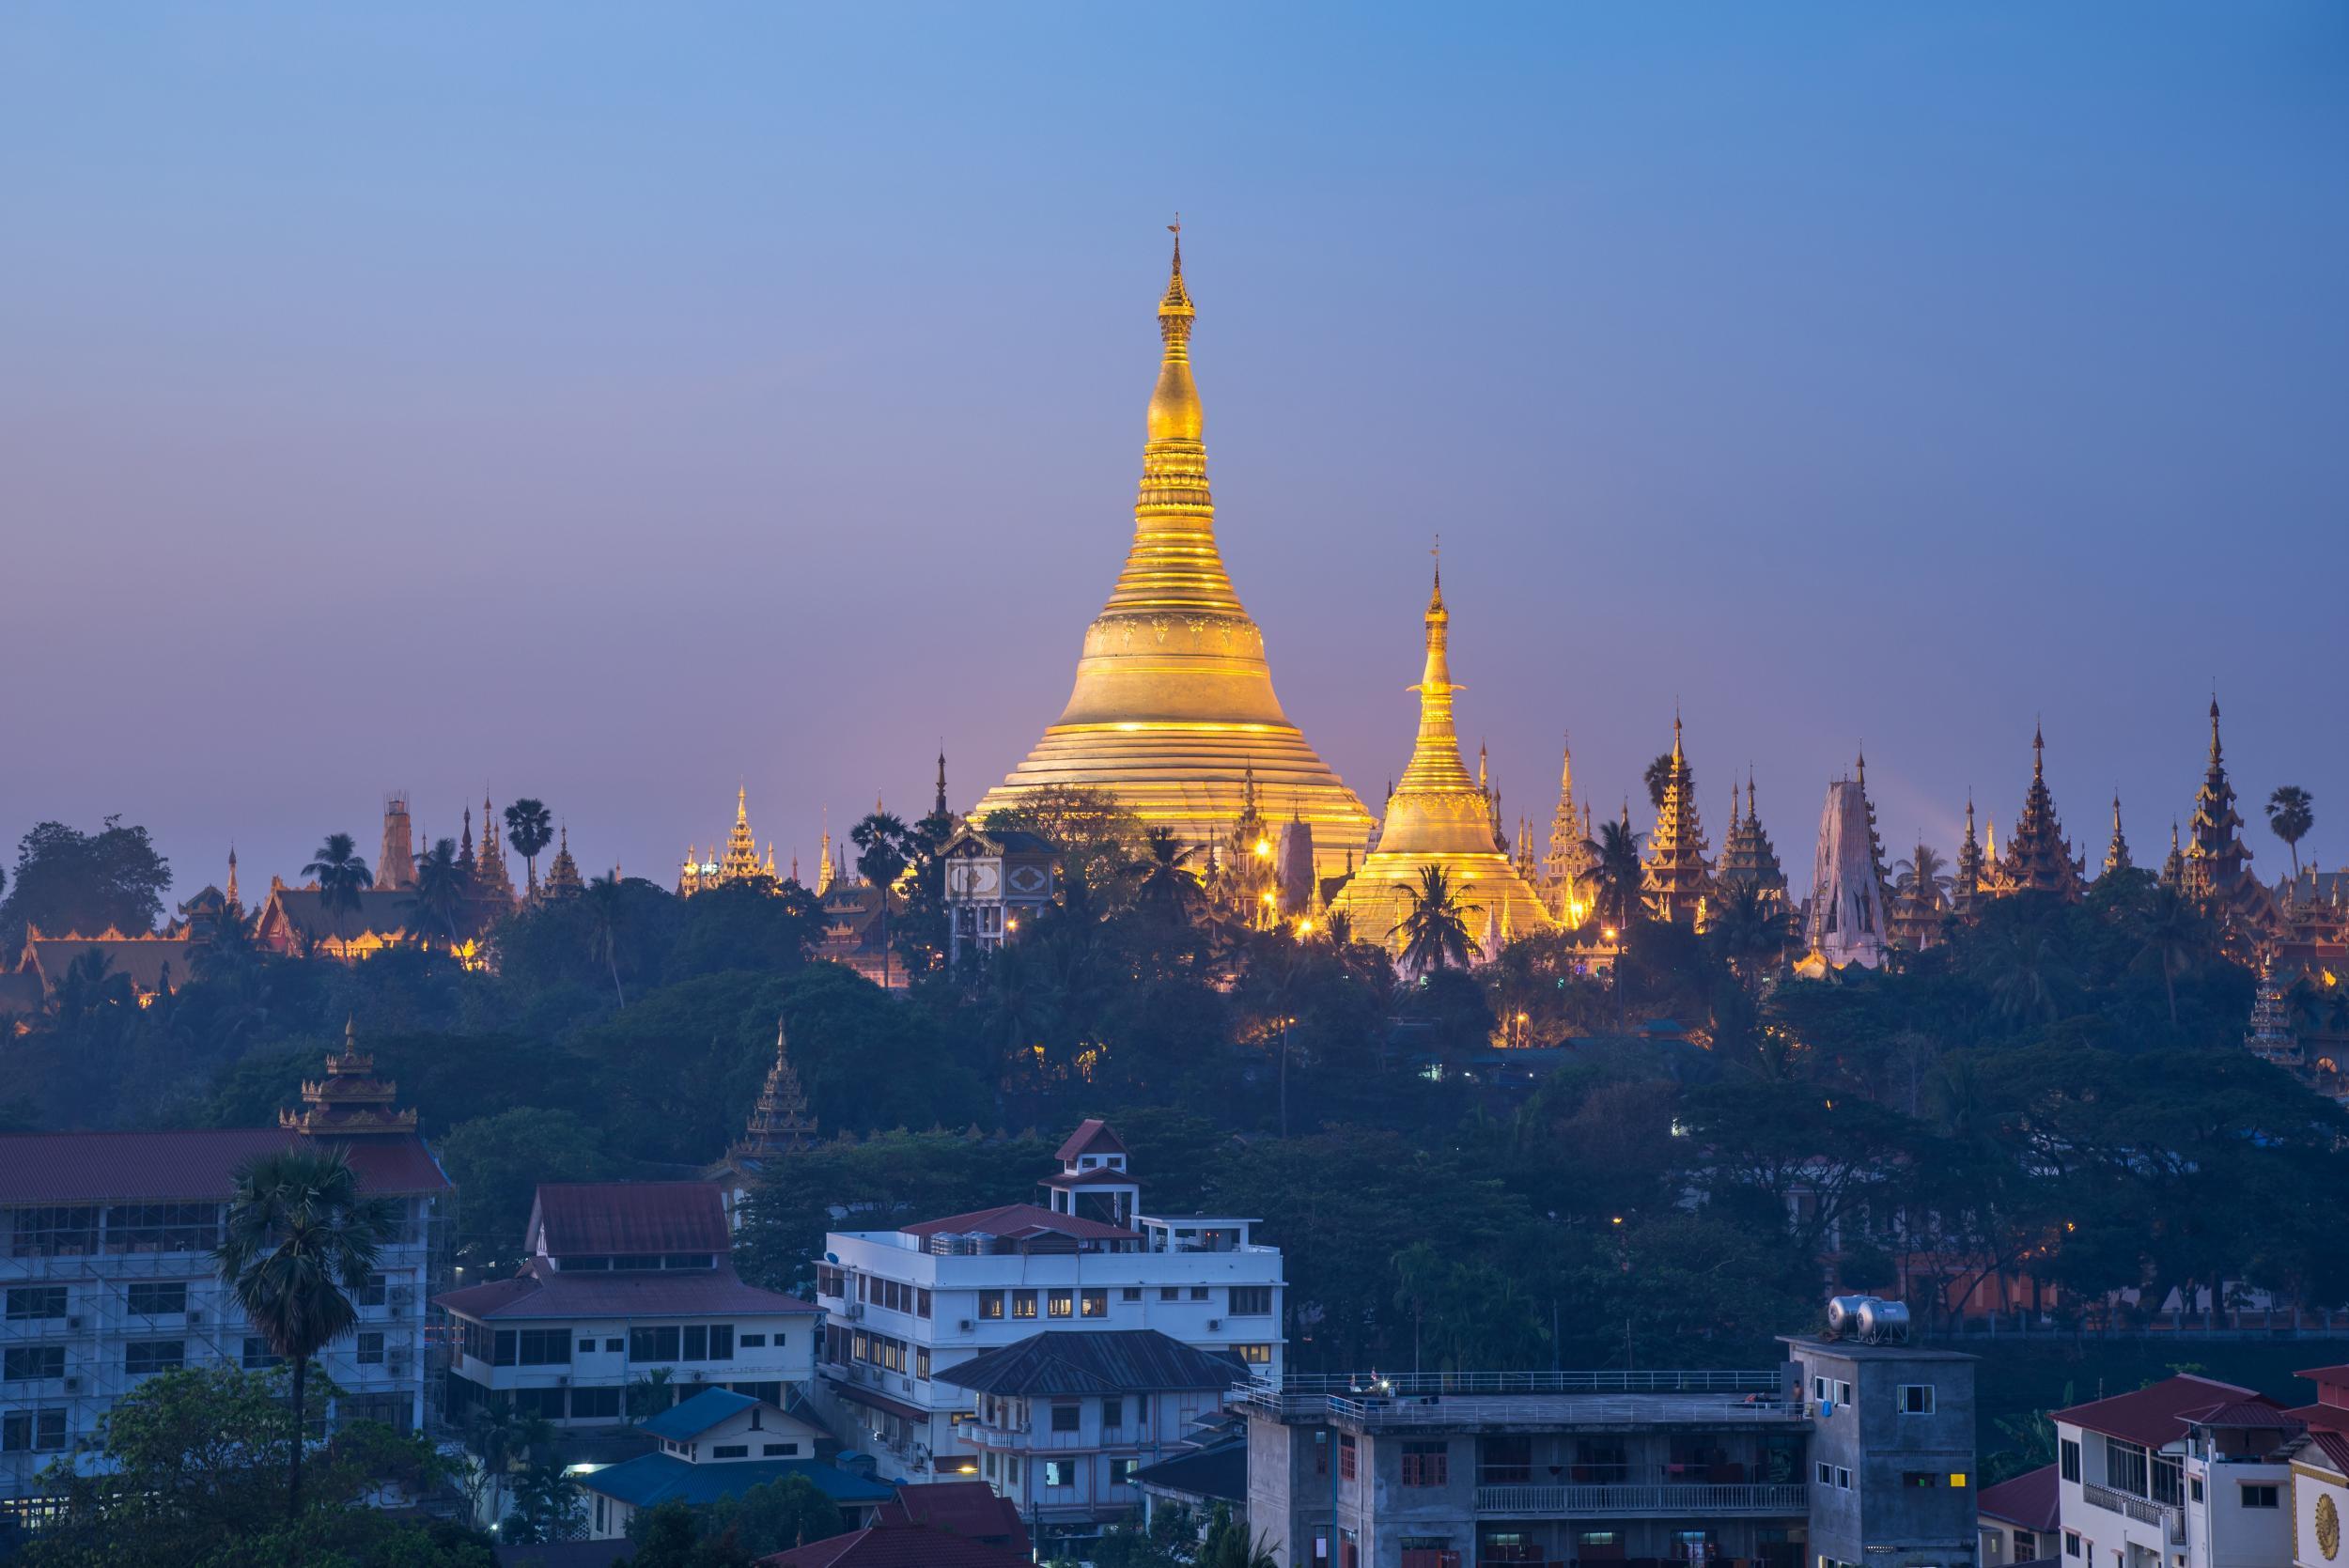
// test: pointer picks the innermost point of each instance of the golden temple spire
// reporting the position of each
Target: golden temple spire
(1436, 755)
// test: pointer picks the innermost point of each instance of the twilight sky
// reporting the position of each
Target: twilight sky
(615, 403)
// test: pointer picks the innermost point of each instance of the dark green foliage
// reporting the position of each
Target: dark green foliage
(73, 882)
(497, 1163)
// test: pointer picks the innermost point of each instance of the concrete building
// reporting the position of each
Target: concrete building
(107, 1275)
(2020, 1519)
(1891, 1453)
(904, 1305)
(2188, 1472)
(2320, 1498)
(1066, 1417)
(623, 1280)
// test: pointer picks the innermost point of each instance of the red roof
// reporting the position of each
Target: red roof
(2029, 1500)
(2156, 1414)
(1092, 1137)
(2253, 1414)
(1017, 1220)
(186, 1164)
(2334, 1446)
(898, 1546)
(2321, 1418)
(969, 1509)
(628, 1218)
(541, 1291)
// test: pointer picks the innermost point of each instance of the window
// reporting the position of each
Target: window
(545, 1403)
(27, 1302)
(1826, 1473)
(370, 1352)
(1255, 1354)
(1094, 1303)
(2125, 1469)
(540, 1347)
(595, 1405)
(1060, 1473)
(2259, 1496)
(374, 1292)
(586, 1347)
(652, 1344)
(922, 1360)
(752, 1341)
(1112, 1413)
(2069, 1461)
(1842, 1479)
(153, 1298)
(2195, 1487)
(502, 1353)
(779, 1450)
(1249, 1301)
(1067, 1418)
(829, 1280)
(1121, 1471)
(921, 1303)
(1199, 1293)
(1170, 1292)
(162, 1227)
(32, 1431)
(2025, 1547)
(1131, 1292)
(1915, 1398)
(1060, 1303)
(2071, 1542)
(25, 1363)
(1023, 1303)
(1011, 1468)
(1923, 1480)
(729, 1450)
(52, 1233)
(613, 1346)
(145, 1356)
(1346, 1456)
(1427, 1465)
(257, 1355)
(696, 1344)
(2169, 1479)
(991, 1305)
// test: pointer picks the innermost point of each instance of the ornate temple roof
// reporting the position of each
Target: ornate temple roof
(1437, 816)
(1748, 859)
(1172, 702)
(563, 879)
(490, 880)
(1966, 877)
(2117, 852)
(1678, 878)
(779, 1123)
(1572, 857)
(2215, 868)
(350, 1101)
(739, 862)
(2038, 857)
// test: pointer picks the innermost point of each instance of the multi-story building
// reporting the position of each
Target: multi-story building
(1065, 1417)
(2020, 1520)
(1892, 1478)
(107, 1275)
(2188, 1470)
(904, 1305)
(626, 1285)
(1467, 1469)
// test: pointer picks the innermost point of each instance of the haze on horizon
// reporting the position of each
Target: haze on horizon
(613, 406)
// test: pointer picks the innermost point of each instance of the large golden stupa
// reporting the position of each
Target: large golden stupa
(1174, 707)
(1437, 816)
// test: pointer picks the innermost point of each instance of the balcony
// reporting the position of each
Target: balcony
(1639, 1499)
(2166, 1518)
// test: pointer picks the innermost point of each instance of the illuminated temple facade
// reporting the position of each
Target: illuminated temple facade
(1440, 817)
(740, 863)
(1172, 708)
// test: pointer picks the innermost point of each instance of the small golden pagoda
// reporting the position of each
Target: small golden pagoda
(1437, 816)
(779, 1123)
(1567, 872)
(350, 1101)
(563, 879)
(1678, 880)
(1173, 705)
(2038, 857)
(739, 864)
(1966, 877)
(2117, 852)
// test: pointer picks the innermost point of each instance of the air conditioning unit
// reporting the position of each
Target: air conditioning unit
(563, 1380)
(905, 1384)
(396, 1363)
(853, 1311)
(1215, 1325)
(73, 1385)
(966, 1325)
(403, 1295)
(73, 1323)
(196, 1317)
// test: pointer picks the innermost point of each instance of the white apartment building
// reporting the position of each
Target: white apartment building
(903, 1306)
(107, 1277)
(623, 1281)
(2188, 1472)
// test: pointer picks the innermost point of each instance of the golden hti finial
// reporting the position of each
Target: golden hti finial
(1176, 306)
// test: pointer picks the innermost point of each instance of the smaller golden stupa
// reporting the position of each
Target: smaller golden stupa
(1437, 816)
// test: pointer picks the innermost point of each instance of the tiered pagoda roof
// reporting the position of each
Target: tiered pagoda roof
(2173, 867)
(490, 879)
(563, 879)
(739, 862)
(2117, 852)
(350, 1101)
(2270, 1037)
(1748, 859)
(2038, 857)
(2214, 871)
(1678, 878)
(779, 1123)
(1966, 877)
(1568, 868)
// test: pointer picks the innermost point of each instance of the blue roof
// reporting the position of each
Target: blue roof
(650, 1479)
(690, 1418)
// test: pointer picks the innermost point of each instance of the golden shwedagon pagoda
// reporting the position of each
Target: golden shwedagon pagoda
(1173, 709)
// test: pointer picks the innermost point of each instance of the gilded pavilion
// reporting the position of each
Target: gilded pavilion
(1677, 880)
(740, 863)
(1567, 870)
(1172, 707)
(1437, 816)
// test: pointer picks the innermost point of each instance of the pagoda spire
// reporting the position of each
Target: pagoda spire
(779, 1122)
(1435, 754)
(939, 805)
(464, 847)
(2173, 869)
(1748, 859)
(233, 902)
(1570, 861)
(2214, 851)
(1965, 879)
(490, 876)
(2117, 852)
(1677, 879)
(2038, 856)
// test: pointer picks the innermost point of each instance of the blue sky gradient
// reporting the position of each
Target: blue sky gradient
(615, 403)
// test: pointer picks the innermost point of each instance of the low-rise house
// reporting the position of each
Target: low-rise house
(1066, 1417)
(971, 1509)
(627, 1287)
(2019, 1519)
(2186, 1470)
(720, 1444)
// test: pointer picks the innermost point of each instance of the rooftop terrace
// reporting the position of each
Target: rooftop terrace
(1372, 1402)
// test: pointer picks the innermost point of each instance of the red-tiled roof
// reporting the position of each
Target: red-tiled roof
(2321, 1418)
(2156, 1414)
(2029, 1500)
(2325, 1374)
(2334, 1446)
(1015, 1220)
(969, 1509)
(631, 1218)
(898, 1546)
(185, 1164)
(2241, 1413)
(1092, 1137)
(540, 1291)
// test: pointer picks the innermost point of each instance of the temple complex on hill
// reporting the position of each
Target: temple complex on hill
(1172, 708)
(1440, 817)
(1677, 880)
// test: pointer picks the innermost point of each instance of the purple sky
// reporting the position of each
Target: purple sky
(613, 404)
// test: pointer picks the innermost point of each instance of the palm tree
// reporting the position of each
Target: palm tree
(607, 917)
(2025, 974)
(1745, 927)
(1658, 774)
(881, 859)
(1619, 873)
(442, 884)
(300, 1237)
(1922, 878)
(1169, 892)
(1435, 926)
(2176, 936)
(529, 828)
(2290, 813)
(340, 874)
